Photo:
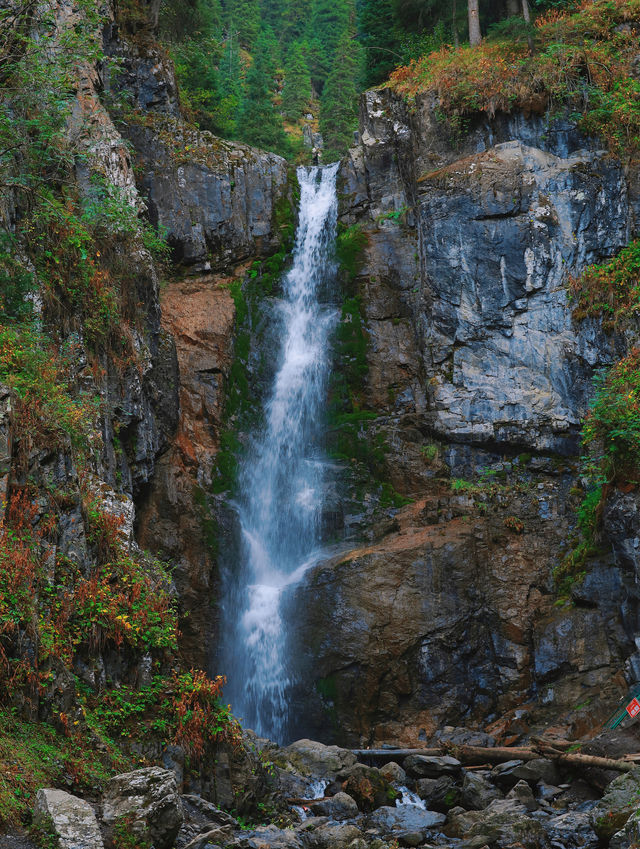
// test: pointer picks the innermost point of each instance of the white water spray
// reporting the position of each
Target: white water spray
(281, 479)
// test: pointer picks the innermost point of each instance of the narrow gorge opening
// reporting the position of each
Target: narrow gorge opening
(282, 474)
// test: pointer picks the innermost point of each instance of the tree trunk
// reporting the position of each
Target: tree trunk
(454, 23)
(525, 11)
(475, 36)
(513, 8)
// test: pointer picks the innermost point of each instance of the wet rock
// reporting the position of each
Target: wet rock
(421, 766)
(405, 819)
(202, 822)
(477, 791)
(504, 823)
(338, 807)
(547, 792)
(540, 769)
(332, 836)
(150, 798)
(572, 829)
(629, 836)
(367, 786)
(393, 773)
(619, 802)
(460, 822)
(73, 820)
(217, 836)
(440, 794)
(523, 794)
(269, 837)
(411, 838)
(312, 758)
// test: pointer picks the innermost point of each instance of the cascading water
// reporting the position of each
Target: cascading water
(281, 478)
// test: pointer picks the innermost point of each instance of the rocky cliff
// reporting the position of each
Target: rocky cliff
(477, 371)
(110, 419)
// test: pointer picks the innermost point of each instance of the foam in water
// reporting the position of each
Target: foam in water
(281, 479)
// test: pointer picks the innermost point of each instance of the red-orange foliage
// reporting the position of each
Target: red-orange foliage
(583, 59)
(201, 718)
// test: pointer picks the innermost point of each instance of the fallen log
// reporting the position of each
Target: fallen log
(387, 755)
(474, 754)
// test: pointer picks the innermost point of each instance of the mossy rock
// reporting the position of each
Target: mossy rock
(621, 800)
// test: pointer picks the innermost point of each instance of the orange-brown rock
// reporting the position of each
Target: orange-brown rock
(199, 313)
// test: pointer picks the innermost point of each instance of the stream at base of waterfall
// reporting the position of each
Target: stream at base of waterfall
(282, 475)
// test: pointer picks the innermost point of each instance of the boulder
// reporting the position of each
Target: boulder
(393, 773)
(523, 794)
(315, 759)
(620, 801)
(440, 794)
(540, 769)
(149, 799)
(368, 787)
(219, 835)
(547, 792)
(202, 822)
(405, 819)
(269, 837)
(421, 766)
(330, 835)
(571, 830)
(72, 819)
(504, 823)
(477, 791)
(338, 807)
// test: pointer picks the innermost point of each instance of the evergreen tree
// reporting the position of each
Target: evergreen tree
(243, 19)
(272, 13)
(230, 85)
(330, 19)
(376, 28)
(296, 20)
(339, 103)
(296, 92)
(190, 21)
(271, 54)
(259, 123)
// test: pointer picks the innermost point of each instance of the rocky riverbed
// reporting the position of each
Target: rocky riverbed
(322, 797)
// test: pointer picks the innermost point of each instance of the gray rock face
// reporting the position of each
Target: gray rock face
(216, 199)
(478, 263)
(475, 361)
(150, 797)
(72, 819)
(512, 368)
(440, 794)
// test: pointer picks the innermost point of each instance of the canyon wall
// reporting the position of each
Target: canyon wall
(480, 378)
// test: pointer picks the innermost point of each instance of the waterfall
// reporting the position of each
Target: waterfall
(281, 476)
